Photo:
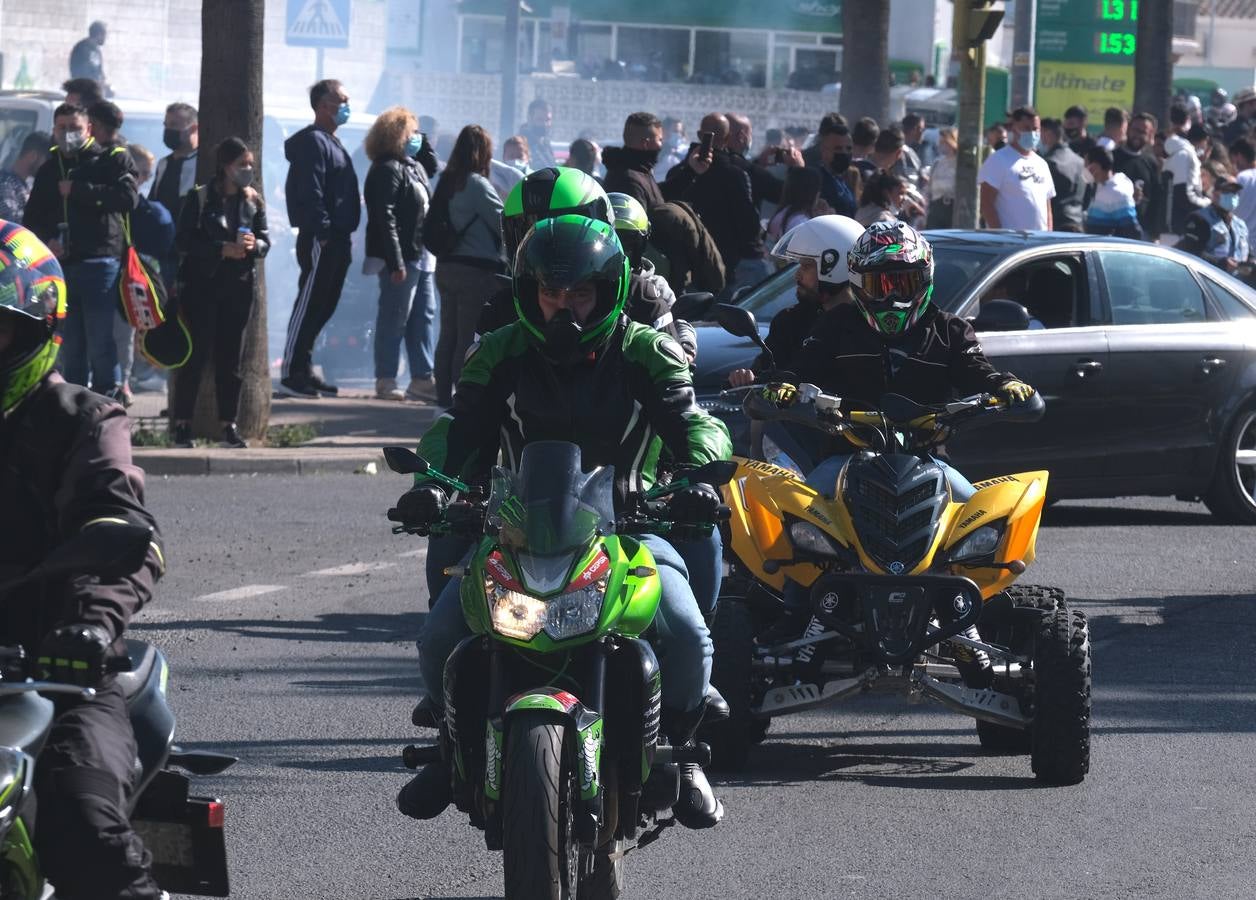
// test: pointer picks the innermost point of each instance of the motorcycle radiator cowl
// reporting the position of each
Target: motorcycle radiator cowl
(894, 612)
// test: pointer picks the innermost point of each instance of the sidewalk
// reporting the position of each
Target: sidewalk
(352, 430)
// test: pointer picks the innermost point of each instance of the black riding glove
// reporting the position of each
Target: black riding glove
(420, 507)
(75, 654)
(695, 505)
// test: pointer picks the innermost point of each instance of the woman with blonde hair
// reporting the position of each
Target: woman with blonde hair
(397, 199)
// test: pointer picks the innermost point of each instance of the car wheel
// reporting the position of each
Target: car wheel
(1232, 495)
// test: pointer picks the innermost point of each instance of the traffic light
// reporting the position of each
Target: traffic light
(981, 19)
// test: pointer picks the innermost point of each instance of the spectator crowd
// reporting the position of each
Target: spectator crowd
(436, 210)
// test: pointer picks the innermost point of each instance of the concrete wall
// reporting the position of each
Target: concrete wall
(1230, 45)
(153, 49)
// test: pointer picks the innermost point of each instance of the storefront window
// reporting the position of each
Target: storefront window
(731, 57)
(482, 44)
(654, 54)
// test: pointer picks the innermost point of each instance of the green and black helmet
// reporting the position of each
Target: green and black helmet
(560, 254)
(32, 304)
(631, 224)
(547, 193)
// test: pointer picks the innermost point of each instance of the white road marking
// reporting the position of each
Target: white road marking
(357, 568)
(411, 554)
(243, 593)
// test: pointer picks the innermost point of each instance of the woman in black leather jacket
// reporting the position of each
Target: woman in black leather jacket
(397, 198)
(222, 233)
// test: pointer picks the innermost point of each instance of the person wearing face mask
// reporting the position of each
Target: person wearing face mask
(536, 131)
(1215, 233)
(630, 168)
(1184, 151)
(176, 173)
(325, 207)
(1134, 159)
(1068, 174)
(1016, 184)
(76, 207)
(397, 200)
(675, 143)
(1111, 210)
(222, 234)
(831, 155)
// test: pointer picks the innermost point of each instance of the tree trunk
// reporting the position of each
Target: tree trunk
(865, 60)
(231, 105)
(1153, 59)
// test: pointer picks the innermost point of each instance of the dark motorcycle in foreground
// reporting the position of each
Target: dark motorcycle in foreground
(184, 833)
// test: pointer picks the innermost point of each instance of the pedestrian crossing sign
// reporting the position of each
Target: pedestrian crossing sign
(318, 23)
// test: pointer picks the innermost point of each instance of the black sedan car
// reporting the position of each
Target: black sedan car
(1146, 357)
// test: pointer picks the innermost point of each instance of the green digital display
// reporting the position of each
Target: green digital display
(1118, 10)
(1114, 43)
(1087, 30)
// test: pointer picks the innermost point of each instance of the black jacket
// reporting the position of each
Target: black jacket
(764, 186)
(683, 250)
(1067, 206)
(786, 334)
(208, 221)
(929, 364)
(397, 198)
(1145, 168)
(104, 190)
(631, 172)
(322, 188)
(65, 462)
(722, 197)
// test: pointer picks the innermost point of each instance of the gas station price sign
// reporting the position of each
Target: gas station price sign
(1084, 51)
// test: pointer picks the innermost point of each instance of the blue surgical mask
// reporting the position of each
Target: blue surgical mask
(342, 114)
(414, 145)
(1228, 201)
(1028, 140)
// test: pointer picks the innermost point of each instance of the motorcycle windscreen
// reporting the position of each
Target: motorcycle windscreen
(552, 511)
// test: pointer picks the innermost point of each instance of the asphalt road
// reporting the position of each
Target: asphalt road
(289, 616)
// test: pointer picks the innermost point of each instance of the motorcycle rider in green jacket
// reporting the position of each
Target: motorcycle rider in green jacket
(573, 368)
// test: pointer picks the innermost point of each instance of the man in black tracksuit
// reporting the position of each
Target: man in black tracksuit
(324, 205)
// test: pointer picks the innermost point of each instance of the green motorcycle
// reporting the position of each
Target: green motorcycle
(552, 706)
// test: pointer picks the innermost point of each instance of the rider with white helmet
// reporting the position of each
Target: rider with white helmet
(820, 247)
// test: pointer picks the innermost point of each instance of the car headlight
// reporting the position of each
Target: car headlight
(522, 616)
(982, 542)
(810, 539)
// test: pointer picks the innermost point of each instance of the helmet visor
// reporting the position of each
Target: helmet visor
(890, 287)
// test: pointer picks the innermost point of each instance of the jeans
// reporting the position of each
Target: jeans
(87, 347)
(407, 311)
(705, 561)
(684, 645)
(824, 479)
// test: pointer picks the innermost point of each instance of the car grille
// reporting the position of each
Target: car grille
(897, 521)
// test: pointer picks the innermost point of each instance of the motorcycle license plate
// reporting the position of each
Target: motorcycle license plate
(189, 853)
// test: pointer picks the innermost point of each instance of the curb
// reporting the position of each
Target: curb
(259, 462)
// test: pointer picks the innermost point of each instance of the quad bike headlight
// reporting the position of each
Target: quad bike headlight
(982, 542)
(810, 539)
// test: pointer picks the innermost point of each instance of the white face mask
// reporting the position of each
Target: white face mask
(1087, 177)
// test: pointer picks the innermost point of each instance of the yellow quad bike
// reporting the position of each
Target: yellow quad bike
(909, 589)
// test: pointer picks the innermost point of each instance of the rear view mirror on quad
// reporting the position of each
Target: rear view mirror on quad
(404, 461)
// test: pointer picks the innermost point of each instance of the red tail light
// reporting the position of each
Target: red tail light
(215, 815)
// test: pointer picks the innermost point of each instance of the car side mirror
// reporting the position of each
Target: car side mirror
(1001, 315)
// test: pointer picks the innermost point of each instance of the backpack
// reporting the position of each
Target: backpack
(439, 236)
(141, 292)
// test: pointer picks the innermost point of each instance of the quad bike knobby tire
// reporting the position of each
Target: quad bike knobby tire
(540, 853)
(732, 632)
(1060, 734)
(1000, 739)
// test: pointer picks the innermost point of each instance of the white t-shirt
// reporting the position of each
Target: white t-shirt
(1247, 199)
(1024, 185)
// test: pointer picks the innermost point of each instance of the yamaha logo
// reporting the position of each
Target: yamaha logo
(961, 604)
(897, 568)
(829, 601)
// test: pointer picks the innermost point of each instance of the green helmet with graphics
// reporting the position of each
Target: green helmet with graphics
(547, 193)
(32, 311)
(891, 276)
(570, 253)
(632, 224)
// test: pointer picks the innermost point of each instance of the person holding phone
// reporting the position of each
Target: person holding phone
(721, 194)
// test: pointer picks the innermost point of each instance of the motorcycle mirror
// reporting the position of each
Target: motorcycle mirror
(737, 321)
(1032, 410)
(716, 472)
(404, 461)
(693, 306)
(106, 550)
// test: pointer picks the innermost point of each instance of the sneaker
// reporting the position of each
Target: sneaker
(386, 389)
(182, 436)
(327, 390)
(297, 387)
(422, 390)
(231, 437)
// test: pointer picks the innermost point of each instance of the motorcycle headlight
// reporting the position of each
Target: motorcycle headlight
(810, 539)
(982, 542)
(522, 616)
(11, 762)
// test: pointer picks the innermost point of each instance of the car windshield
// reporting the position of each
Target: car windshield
(15, 125)
(956, 264)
